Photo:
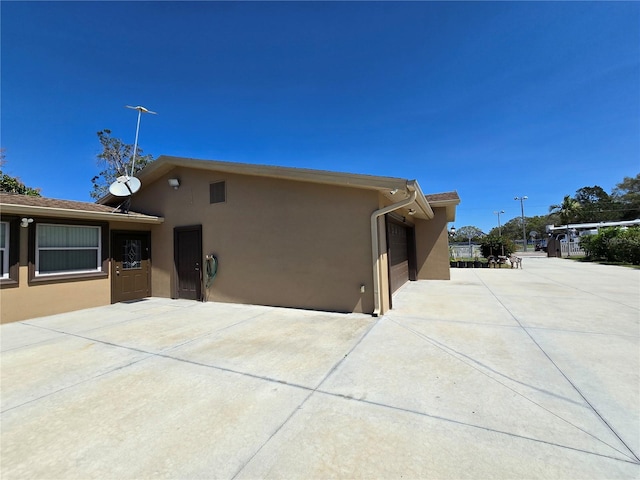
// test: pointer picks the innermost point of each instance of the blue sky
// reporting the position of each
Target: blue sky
(492, 99)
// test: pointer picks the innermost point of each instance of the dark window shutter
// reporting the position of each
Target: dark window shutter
(217, 192)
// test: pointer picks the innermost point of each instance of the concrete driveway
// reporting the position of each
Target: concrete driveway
(497, 373)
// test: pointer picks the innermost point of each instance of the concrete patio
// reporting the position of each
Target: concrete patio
(498, 373)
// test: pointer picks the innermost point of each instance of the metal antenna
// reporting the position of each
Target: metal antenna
(135, 145)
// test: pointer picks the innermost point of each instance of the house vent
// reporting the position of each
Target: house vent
(217, 192)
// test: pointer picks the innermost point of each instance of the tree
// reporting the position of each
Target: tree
(11, 184)
(513, 228)
(626, 196)
(464, 233)
(595, 205)
(115, 160)
(568, 210)
(495, 245)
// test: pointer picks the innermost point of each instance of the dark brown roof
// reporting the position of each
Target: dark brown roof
(13, 203)
(30, 201)
(442, 197)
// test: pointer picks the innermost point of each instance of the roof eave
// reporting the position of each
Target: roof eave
(420, 201)
(12, 209)
(450, 206)
(164, 164)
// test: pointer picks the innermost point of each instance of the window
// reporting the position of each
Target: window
(132, 254)
(4, 249)
(217, 192)
(67, 249)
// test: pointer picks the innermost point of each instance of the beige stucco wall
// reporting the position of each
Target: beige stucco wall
(278, 242)
(24, 301)
(30, 301)
(432, 247)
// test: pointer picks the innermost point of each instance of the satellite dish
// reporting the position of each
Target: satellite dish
(124, 186)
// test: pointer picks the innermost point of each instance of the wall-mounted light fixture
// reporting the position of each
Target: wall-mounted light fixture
(174, 182)
(412, 211)
(25, 222)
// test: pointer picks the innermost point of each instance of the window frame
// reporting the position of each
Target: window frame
(102, 252)
(13, 252)
(4, 250)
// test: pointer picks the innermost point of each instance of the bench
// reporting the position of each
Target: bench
(497, 261)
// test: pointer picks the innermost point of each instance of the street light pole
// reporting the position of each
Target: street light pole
(524, 233)
(499, 226)
(500, 230)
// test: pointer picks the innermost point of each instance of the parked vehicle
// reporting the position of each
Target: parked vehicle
(541, 246)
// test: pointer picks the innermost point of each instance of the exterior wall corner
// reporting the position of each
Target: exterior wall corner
(432, 247)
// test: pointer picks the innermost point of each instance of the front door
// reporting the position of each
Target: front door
(187, 243)
(130, 266)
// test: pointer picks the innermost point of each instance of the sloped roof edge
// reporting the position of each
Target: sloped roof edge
(14, 204)
(437, 199)
(164, 163)
(448, 200)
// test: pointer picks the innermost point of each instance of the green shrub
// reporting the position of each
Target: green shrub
(626, 247)
(613, 245)
(588, 244)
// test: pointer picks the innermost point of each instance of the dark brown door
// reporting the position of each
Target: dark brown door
(398, 255)
(401, 254)
(130, 266)
(187, 243)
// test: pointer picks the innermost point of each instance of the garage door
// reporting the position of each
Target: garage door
(397, 241)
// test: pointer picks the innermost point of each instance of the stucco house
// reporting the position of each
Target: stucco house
(281, 236)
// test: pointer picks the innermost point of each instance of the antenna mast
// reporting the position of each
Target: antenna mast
(140, 109)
